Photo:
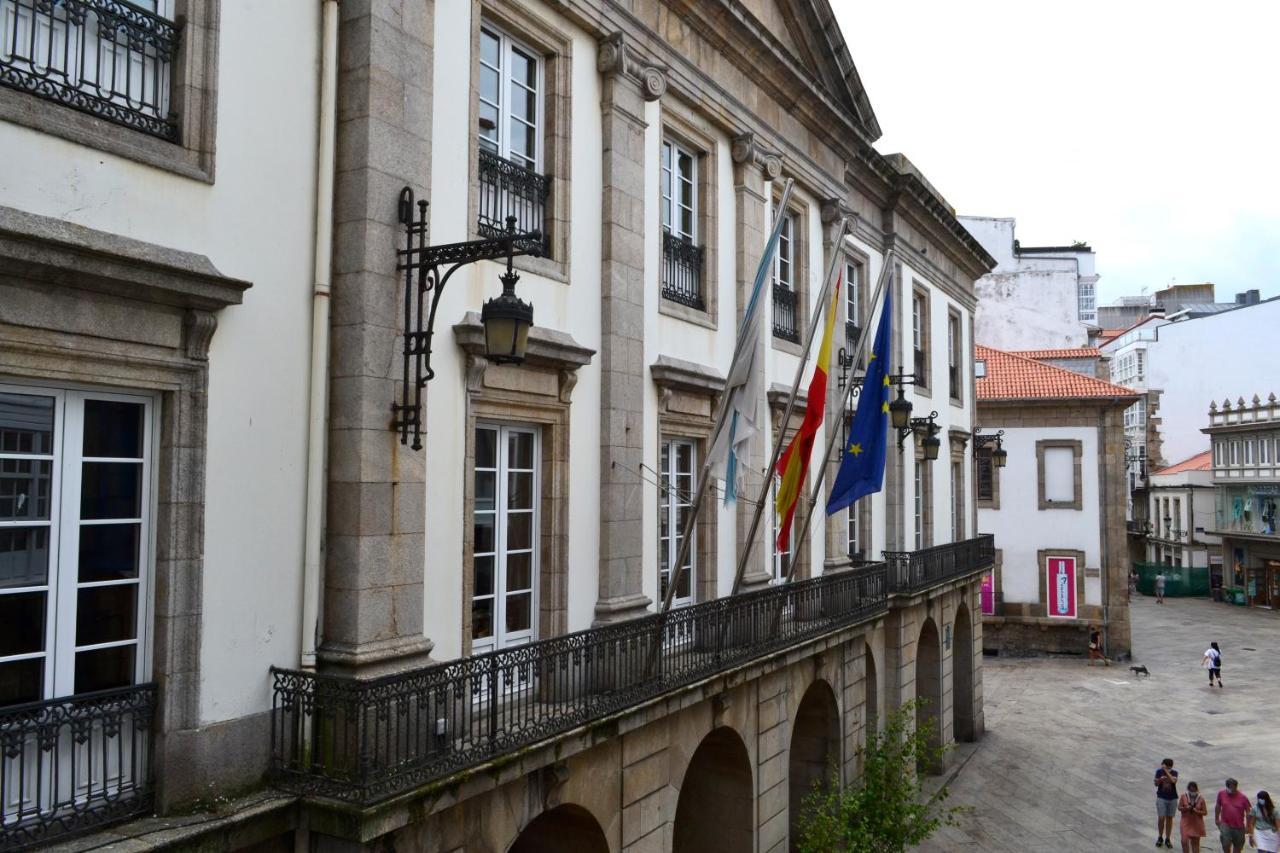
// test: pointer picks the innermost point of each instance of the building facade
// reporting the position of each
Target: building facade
(1056, 506)
(1181, 512)
(1246, 481)
(1037, 297)
(417, 609)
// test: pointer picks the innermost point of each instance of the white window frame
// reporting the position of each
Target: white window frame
(672, 176)
(957, 501)
(1235, 451)
(62, 584)
(670, 501)
(506, 46)
(786, 254)
(501, 638)
(780, 557)
(853, 532)
(853, 292)
(1264, 451)
(1087, 306)
(954, 339)
(1248, 451)
(919, 503)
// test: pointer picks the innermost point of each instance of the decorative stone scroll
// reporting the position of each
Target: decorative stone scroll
(617, 57)
(748, 149)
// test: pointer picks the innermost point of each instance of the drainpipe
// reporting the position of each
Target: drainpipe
(319, 383)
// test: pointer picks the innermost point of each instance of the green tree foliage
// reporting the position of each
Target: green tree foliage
(887, 810)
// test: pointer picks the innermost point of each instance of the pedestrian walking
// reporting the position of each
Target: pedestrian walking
(1213, 660)
(1160, 588)
(1262, 825)
(1095, 647)
(1166, 801)
(1193, 809)
(1230, 814)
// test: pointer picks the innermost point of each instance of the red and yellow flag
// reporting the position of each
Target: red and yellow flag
(793, 467)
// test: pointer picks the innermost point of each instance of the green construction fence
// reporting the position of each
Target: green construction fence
(1179, 581)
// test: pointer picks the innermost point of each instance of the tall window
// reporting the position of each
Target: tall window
(1088, 302)
(920, 337)
(1235, 451)
(1264, 451)
(781, 556)
(675, 502)
(957, 501)
(786, 323)
(784, 270)
(505, 528)
(75, 533)
(922, 502)
(852, 302)
(985, 479)
(682, 257)
(853, 527)
(1219, 453)
(510, 102)
(954, 359)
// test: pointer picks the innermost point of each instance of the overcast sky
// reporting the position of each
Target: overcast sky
(1149, 130)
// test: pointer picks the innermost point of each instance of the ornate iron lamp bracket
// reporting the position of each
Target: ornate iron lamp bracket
(427, 269)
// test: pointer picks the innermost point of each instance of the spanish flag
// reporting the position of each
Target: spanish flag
(794, 464)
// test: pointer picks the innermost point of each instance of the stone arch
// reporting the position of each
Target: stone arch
(565, 827)
(962, 676)
(871, 689)
(929, 688)
(716, 806)
(815, 749)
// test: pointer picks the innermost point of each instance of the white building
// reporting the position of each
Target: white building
(1181, 512)
(1037, 297)
(1056, 507)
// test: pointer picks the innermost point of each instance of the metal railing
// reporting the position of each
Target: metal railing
(107, 58)
(509, 189)
(785, 323)
(916, 571)
(364, 741)
(682, 271)
(70, 765)
(851, 333)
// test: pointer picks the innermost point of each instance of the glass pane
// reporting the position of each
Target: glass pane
(520, 450)
(486, 486)
(685, 587)
(21, 681)
(489, 48)
(519, 572)
(486, 448)
(105, 614)
(22, 623)
(484, 539)
(489, 128)
(686, 222)
(113, 429)
(520, 490)
(108, 552)
(489, 85)
(524, 69)
(483, 573)
(666, 157)
(24, 489)
(518, 612)
(521, 103)
(111, 490)
(103, 669)
(482, 619)
(523, 142)
(519, 531)
(26, 424)
(24, 556)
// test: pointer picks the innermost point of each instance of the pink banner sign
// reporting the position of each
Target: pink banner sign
(1061, 585)
(988, 594)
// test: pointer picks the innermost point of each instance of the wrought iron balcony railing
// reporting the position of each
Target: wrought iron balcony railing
(70, 765)
(682, 271)
(364, 741)
(108, 58)
(509, 189)
(851, 332)
(785, 324)
(915, 571)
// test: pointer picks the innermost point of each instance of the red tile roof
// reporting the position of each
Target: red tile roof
(1199, 462)
(1011, 376)
(1074, 352)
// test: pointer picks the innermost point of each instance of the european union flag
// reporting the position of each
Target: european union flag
(862, 468)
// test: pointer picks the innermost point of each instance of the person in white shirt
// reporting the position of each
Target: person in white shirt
(1213, 660)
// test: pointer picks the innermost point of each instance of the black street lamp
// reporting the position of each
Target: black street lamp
(999, 456)
(427, 269)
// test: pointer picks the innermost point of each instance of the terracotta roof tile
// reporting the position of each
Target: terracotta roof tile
(1011, 376)
(1073, 352)
(1199, 462)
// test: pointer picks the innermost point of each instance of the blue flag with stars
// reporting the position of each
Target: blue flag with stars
(862, 466)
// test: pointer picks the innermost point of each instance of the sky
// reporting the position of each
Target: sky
(1149, 130)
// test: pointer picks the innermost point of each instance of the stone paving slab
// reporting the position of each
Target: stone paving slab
(1068, 758)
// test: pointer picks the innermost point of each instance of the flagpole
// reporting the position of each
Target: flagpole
(704, 475)
(822, 304)
(816, 493)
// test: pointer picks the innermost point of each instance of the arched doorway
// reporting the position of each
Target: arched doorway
(566, 827)
(871, 693)
(929, 690)
(715, 808)
(962, 676)
(815, 749)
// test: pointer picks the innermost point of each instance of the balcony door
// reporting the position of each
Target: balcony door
(504, 603)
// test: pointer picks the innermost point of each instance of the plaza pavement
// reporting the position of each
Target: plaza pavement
(1069, 754)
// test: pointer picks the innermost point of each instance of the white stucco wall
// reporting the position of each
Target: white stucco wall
(1195, 362)
(255, 222)
(1022, 529)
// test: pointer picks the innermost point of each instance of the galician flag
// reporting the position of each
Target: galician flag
(793, 467)
(862, 467)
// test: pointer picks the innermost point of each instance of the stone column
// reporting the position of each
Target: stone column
(373, 580)
(628, 82)
(754, 166)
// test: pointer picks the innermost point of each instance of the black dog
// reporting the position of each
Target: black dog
(1140, 670)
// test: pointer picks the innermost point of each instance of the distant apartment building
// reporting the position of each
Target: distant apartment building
(1037, 296)
(1180, 514)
